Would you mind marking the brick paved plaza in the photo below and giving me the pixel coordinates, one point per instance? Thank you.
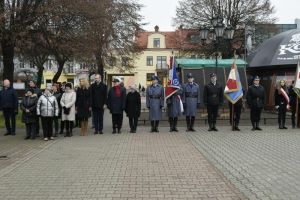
(202, 165)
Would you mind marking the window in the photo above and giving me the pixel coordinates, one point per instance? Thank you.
(22, 65)
(31, 64)
(156, 43)
(149, 75)
(125, 61)
(149, 60)
(161, 62)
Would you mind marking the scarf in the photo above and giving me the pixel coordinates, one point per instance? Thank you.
(117, 90)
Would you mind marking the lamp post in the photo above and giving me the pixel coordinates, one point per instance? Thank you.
(217, 30)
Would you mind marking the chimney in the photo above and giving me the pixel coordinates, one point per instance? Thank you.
(156, 28)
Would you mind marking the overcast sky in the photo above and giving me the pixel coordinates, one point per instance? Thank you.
(161, 12)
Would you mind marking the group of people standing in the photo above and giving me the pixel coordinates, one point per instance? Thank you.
(62, 104)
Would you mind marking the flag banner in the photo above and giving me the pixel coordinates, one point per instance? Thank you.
(173, 83)
(297, 81)
(233, 90)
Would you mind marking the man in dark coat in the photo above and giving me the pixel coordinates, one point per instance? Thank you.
(293, 103)
(213, 98)
(9, 106)
(155, 102)
(174, 109)
(256, 101)
(37, 91)
(28, 106)
(191, 101)
(98, 100)
(116, 104)
(133, 108)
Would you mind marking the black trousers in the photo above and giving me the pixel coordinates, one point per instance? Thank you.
(31, 130)
(212, 111)
(255, 114)
(69, 126)
(117, 121)
(236, 115)
(133, 122)
(98, 119)
(10, 120)
(293, 116)
(37, 127)
(47, 124)
(56, 124)
(281, 115)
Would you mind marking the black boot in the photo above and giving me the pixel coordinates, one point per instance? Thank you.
(67, 134)
(188, 123)
(253, 126)
(192, 124)
(210, 127)
(171, 123)
(283, 124)
(236, 127)
(152, 127)
(156, 126)
(175, 124)
(214, 127)
(257, 126)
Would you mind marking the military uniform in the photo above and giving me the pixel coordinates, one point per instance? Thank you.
(213, 98)
(191, 101)
(155, 102)
(281, 105)
(173, 109)
(256, 102)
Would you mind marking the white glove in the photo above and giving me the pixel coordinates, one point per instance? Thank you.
(276, 107)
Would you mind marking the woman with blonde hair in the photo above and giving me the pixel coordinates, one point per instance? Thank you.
(83, 106)
(282, 101)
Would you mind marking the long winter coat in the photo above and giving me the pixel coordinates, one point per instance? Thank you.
(173, 104)
(68, 100)
(190, 98)
(155, 102)
(83, 103)
(115, 104)
(8, 99)
(47, 106)
(133, 104)
(279, 99)
(30, 104)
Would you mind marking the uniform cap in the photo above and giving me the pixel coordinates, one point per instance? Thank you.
(212, 75)
(256, 78)
(189, 75)
(154, 78)
(116, 80)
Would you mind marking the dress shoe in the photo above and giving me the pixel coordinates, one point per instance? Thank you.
(215, 129)
(27, 137)
(236, 128)
(7, 134)
(100, 132)
(258, 128)
(210, 129)
(175, 129)
(253, 129)
(171, 130)
(114, 131)
(192, 129)
(96, 132)
(119, 131)
(284, 127)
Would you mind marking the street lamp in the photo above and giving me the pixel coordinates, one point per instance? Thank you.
(217, 31)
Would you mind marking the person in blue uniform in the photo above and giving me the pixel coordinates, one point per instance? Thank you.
(155, 103)
(191, 101)
(174, 109)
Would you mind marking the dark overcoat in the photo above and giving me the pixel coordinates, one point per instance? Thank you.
(133, 104)
(29, 103)
(213, 94)
(256, 96)
(155, 101)
(191, 98)
(98, 95)
(115, 104)
(83, 103)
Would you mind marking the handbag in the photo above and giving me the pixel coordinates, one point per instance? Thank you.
(66, 110)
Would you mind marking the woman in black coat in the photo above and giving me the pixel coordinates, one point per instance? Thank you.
(28, 107)
(133, 108)
(281, 103)
(83, 107)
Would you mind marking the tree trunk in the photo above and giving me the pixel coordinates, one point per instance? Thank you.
(61, 64)
(8, 59)
(39, 75)
(100, 66)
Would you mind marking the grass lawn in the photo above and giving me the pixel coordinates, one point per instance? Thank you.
(18, 121)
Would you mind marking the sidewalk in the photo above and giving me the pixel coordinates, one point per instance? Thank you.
(126, 166)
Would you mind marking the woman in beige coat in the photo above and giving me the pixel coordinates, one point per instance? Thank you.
(67, 103)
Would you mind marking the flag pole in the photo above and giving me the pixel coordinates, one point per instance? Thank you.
(232, 116)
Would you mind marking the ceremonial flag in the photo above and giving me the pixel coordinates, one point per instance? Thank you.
(173, 83)
(297, 81)
(233, 90)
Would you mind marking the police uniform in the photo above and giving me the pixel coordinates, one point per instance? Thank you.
(256, 102)
(191, 101)
(173, 109)
(213, 97)
(155, 102)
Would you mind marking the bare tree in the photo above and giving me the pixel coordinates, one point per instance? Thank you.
(15, 18)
